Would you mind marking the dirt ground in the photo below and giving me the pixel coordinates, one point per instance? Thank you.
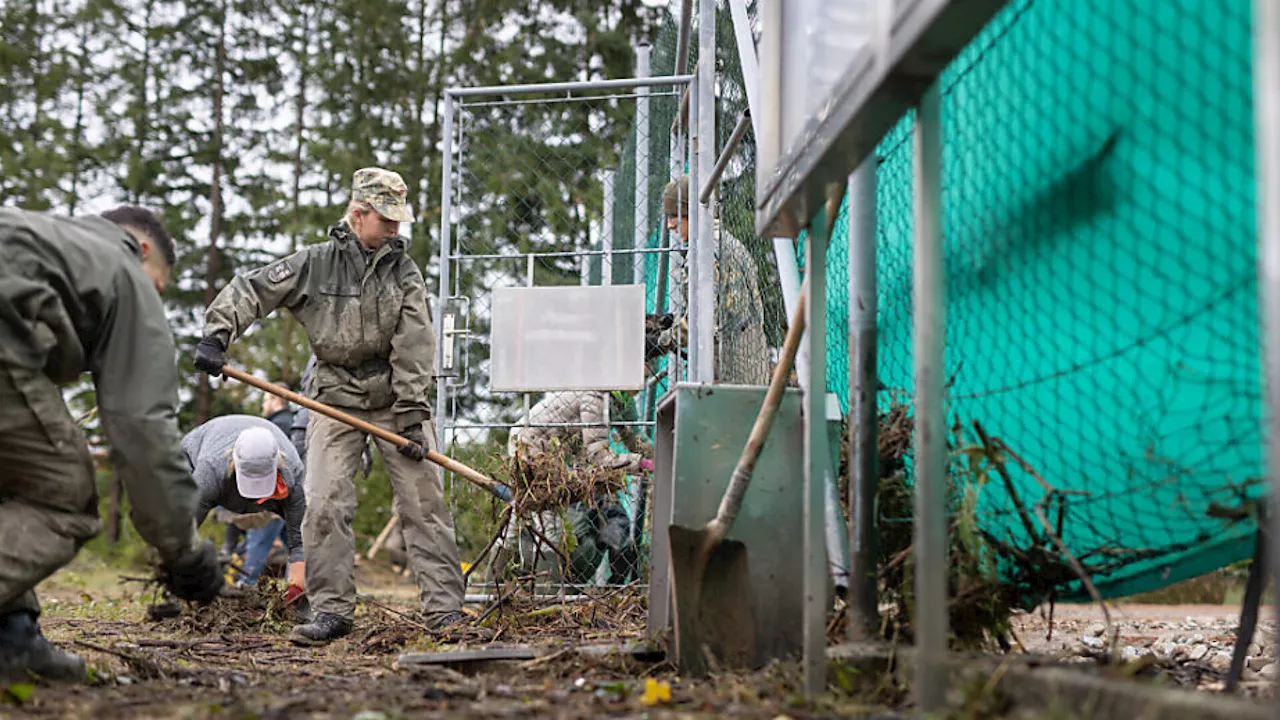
(233, 660)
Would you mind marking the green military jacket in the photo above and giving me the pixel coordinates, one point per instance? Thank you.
(365, 314)
(74, 298)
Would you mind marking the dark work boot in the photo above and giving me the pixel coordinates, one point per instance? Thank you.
(25, 654)
(324, 628)
(444, 622)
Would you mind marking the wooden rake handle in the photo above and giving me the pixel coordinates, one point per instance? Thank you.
(399, 441)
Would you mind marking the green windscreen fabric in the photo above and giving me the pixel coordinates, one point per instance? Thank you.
(1099, 235)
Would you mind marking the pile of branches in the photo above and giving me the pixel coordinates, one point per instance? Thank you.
(991, 577)
(542, 481)
(596, 613)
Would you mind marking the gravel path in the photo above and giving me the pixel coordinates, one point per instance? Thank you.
(1193, 642)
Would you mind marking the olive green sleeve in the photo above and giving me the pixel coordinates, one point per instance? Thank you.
(137, 386)
(252, 296)
(413, 351)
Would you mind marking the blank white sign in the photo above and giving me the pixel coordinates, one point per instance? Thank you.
(567, 338)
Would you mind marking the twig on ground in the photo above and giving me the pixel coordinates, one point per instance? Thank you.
(375, 603)
(530, 664)
(502, 529)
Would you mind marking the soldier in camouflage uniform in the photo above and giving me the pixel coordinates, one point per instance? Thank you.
(742, 348)
(363, 303)
(596, 528)
(82, 295)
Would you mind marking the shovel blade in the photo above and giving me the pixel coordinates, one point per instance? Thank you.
(712, 602)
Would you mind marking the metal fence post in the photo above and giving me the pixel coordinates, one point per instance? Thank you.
(642, 166)
(817, 462)
(929, 340)
(606, 231)
(671, 265)
(864, 455)
(692, 248)
(1266, 104)
(706, 285)
(446, 229)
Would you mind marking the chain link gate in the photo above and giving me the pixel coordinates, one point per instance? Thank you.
(552, 185)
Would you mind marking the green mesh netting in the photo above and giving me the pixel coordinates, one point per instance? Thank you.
(1098, 221)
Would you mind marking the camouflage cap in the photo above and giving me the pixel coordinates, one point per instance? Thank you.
(675, 197)
(384, 190)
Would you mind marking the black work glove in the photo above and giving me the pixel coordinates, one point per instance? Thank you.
(211, 355)
(417, 447)
(197, 577)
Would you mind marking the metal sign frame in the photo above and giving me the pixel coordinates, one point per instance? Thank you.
(885, 78)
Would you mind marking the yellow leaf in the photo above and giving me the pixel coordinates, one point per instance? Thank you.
(656, 692)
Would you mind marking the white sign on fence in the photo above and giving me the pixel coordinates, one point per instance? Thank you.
(567, 338)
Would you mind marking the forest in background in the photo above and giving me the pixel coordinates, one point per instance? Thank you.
(242, 121)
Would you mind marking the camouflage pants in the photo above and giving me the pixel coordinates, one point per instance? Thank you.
(586, 533)
(333, 456)
(48, 497)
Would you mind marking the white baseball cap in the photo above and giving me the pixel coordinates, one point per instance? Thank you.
(256, 456)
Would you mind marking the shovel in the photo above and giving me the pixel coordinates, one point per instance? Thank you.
(399, 441)
(709, 574)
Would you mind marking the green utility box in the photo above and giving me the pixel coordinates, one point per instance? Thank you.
(701, 431)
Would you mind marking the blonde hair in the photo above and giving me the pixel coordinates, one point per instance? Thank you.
(352, 207)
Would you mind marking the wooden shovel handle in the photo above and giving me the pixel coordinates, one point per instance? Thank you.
(399, 441)
(731, 503)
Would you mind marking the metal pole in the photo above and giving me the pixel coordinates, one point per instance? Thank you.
(692, 247)
(929, 329)
(784, 252)
(682, 41)
(569, 87)
(726, 154)
(642, 166)
(706, 286)
(606, 232)
(674, 263)
(446, 211)
(748, 60)
(864, 456)
(1266, 106)
(817, 462)
(837, 542)
(528, 396)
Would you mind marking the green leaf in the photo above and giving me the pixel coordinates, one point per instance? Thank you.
(19, 693)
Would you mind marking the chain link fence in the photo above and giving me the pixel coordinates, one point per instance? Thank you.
(1098, 225)
(544, 194)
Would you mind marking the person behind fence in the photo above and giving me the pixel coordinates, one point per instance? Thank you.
(741, 345)
(83, 295)
(363, 303)
(247, 465)
(596, 527)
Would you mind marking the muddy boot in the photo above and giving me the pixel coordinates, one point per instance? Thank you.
(26, 655)
(324, 628)
(456, 626)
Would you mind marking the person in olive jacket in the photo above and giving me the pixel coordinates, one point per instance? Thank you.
(363, 303)
(82, 295)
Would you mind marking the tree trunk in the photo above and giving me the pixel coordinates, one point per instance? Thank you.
(303, 59)
(203, 399)
(77, 165)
